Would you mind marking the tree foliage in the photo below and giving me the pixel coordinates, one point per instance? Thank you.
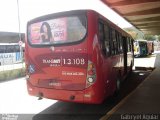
(149, 37)
(136, 34)
(158, 37)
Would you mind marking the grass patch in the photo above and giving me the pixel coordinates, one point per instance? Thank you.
(12, 74)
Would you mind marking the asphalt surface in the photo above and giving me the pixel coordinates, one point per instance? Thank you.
(142, 104)
(75, 111)
(14, 99)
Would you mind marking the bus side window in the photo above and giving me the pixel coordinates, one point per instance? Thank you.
(2, 48)
(114, 42)
(129, 44)
(121, 43)
(10, 48)
(102, 37)
(17, 48)
(118, 42)
(107, 40)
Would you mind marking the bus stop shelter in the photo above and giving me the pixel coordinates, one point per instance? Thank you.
(143, 14)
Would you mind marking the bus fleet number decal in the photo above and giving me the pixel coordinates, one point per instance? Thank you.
(65, 62)
(77, 61)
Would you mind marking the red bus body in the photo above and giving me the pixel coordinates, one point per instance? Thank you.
(150, 47)
(84, 71)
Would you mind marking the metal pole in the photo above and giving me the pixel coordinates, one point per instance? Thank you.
(19, 30)
(19, 25)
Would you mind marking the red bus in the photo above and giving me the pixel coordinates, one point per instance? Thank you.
(150, 47)
(76, 56)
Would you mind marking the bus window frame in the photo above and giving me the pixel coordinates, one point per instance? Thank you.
(54, 16)
(113, 42)
(105, 53)
(129, 42)
(108, 39)
(121, 43)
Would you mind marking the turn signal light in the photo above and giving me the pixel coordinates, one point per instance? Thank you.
(91, 74)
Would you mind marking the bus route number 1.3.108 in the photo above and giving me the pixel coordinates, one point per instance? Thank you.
(77, 61)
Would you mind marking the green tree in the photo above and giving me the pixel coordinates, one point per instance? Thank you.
(158, 37)
(149, 37)
(136, 34)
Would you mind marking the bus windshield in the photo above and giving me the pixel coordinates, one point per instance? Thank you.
(142, 44)
(61, 30)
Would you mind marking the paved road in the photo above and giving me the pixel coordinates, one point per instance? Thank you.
(15, 100)
(75, 111)
(149, 61)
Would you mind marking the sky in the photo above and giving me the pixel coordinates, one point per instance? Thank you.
(29, 9)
